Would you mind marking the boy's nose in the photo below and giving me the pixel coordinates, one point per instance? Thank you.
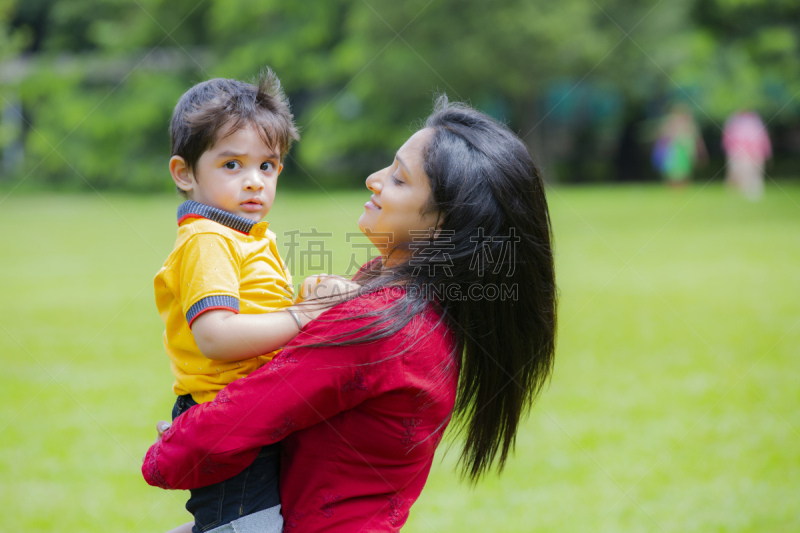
(253, 181)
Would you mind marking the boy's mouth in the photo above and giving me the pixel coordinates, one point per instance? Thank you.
(252, 205)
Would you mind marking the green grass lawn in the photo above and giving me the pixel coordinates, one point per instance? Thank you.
(674, 405)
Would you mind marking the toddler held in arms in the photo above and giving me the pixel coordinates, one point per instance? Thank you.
(224, 293)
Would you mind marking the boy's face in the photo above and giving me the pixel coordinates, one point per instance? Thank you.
(238, 174)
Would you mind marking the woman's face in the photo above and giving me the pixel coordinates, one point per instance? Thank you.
(400, 193)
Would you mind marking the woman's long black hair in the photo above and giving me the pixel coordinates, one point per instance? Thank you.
(490, 269)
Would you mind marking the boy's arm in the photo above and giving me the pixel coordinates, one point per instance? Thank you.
(223, 335)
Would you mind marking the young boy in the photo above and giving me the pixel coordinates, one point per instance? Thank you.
(223, 292)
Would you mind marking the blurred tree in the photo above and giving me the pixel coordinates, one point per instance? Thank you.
(12, 123)
(88, 87)
(96, 81)
(746, 54)
(374, 67)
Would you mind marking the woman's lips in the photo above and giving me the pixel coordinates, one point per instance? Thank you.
(372, 205)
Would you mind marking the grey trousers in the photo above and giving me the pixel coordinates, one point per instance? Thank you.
(266, 521)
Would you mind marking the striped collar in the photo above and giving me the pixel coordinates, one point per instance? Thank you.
(191, 209)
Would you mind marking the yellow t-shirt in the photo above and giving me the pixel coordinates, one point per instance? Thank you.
(220, 261)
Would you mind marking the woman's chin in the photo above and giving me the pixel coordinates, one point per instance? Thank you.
(363, 225)
(379, 240)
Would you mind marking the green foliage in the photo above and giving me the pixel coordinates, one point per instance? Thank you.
(745, 55)
(11, 41)
(96, 82)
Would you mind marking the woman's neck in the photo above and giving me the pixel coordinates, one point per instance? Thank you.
(394, 258)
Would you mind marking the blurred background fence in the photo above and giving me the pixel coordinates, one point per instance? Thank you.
(88, 86)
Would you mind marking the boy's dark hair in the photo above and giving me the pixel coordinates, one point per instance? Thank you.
(221, 105)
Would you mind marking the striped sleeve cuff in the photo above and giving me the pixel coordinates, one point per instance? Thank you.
(211, 302)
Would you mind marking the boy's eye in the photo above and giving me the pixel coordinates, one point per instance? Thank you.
(231, 165)
(267, 165)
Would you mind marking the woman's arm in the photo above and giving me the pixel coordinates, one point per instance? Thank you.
(300, 387)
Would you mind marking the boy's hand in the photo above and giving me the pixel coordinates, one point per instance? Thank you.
(308, 285)
(325, 286)
(321, 292)
(332, 287)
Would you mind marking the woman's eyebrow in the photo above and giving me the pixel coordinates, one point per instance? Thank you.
(400, 160)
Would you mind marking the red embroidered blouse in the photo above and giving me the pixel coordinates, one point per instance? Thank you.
(358, 424)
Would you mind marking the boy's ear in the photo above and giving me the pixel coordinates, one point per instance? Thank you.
(180, 173)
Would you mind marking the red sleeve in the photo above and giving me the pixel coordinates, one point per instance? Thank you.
(298, 388)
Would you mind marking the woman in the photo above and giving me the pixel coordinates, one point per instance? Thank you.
(456, 319)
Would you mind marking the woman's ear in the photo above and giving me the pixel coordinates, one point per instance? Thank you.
(180, 172)
(438, 229)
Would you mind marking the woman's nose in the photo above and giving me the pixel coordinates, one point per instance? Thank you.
(374, 182)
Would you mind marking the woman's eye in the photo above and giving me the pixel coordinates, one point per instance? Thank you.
(267, 165)
(396, 181)
(231, 165)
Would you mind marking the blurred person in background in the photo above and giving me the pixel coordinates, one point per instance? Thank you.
(747, 147)
(679, 146)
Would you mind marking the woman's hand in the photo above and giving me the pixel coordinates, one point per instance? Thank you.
(161, 427)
